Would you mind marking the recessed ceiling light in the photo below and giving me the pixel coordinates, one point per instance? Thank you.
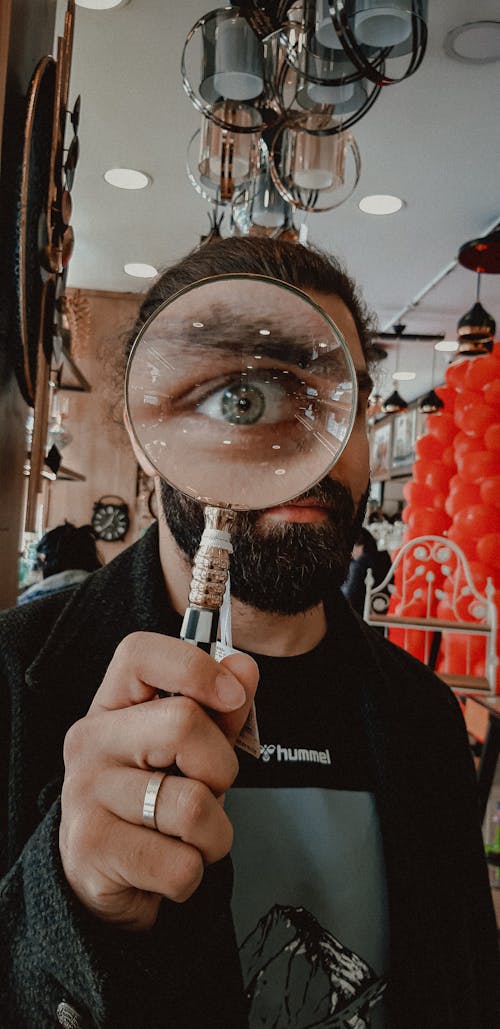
(404, 376)
(380, 203)
(474, 42)
(140, 271)
(127, 178)
(448, 345)
(101, 5)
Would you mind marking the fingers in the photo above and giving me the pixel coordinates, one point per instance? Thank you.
(154, 735)
(247, 672)
(146, 662)
(185, 809)
(108, 860)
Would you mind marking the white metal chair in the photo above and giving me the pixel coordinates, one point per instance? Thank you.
(418, 576)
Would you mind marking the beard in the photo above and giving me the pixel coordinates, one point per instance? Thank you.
(279, 567)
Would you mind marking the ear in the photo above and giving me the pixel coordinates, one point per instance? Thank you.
(141, 458)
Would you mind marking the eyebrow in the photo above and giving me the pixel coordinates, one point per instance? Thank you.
(278, 345)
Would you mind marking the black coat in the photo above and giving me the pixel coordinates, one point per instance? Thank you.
(184, 973)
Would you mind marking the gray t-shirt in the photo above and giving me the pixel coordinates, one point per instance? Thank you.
(310, 899)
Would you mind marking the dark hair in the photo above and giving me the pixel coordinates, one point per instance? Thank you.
(367, 541)
(300, 266)
(67, 547)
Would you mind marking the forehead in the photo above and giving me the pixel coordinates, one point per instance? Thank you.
(341, 315)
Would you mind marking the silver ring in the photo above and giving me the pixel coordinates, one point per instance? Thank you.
(150, 799)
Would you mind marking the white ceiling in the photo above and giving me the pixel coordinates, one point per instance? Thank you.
(433, 140)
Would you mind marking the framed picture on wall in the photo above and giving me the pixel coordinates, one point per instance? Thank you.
(380, 451)
(420, 420)
(403, 439)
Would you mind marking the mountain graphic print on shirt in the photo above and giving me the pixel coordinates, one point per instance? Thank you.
(311, 978)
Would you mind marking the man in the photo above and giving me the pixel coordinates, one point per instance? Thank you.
(360, 890)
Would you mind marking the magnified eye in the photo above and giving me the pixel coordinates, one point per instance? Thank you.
(246, 402)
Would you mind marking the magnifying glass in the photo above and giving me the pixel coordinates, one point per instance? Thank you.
(241, 392)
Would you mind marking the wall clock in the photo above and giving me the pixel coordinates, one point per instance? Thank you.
(110, 518)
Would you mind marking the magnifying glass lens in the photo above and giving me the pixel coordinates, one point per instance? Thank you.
(241, 392)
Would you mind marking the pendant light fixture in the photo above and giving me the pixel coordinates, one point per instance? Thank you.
(394, 402)
(306, 70)
(476, 328)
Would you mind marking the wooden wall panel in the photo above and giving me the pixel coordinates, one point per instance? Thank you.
(100, 448)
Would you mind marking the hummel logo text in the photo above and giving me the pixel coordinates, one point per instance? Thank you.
(272, 750)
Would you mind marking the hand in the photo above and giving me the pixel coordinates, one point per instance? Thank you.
(118, 868)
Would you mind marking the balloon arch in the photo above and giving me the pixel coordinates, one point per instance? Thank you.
(455, 491)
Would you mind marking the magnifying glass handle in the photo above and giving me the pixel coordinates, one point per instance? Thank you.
(209, 577)
(200, 627)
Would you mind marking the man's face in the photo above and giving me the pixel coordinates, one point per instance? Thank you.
(287, 559)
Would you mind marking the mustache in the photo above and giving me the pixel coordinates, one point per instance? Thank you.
(328, 491)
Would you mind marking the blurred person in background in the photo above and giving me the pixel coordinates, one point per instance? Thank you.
(365, 555)
(66, 556)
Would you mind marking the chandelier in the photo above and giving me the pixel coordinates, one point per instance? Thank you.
(279, 86)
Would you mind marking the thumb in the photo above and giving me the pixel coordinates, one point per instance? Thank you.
(247, 672)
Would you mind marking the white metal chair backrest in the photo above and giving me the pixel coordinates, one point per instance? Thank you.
(418, 574)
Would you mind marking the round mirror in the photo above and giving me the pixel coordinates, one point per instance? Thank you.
(241, 392)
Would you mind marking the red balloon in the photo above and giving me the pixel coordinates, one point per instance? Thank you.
(479, 573)
(418, 493)
(438, 476)
(410, 640)
(491, 393)
(445, 611)
(464, 495)
(461, 653)
(468, 398)
(448, 457)
(439, 501)
(477, 419)
(477, 520)
(456, 372)
(490, 491)
(456, 482)
(492, 437)
(463, 444)
(447, 395)
(481, 370)
(442, 426)
(428, 448)
(420, 471)
(464, 541)
(428, 521)
(478, 465)
(488, 549)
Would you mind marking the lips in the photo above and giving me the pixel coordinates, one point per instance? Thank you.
(303, 510)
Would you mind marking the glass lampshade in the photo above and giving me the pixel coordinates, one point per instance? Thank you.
(316, 162)
(324, 27)
(229, 158)
(382, 23)
(238, 60)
